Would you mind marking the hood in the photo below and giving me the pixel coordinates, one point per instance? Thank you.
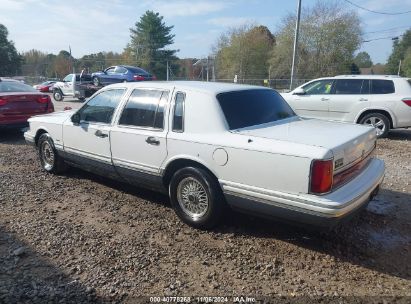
(55, 117)
(344, 140)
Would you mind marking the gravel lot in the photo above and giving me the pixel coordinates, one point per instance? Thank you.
(83, 238)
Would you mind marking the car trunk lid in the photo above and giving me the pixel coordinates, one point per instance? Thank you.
(348, 143)
(23, 104)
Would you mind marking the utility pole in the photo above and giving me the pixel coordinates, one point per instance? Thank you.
(297, 29)
(167, 71)
(207, 68)
(399, 68)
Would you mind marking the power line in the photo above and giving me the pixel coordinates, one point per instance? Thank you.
(381, 38)
(388, 30)
(376, 12)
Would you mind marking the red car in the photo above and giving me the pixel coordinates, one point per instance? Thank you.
(45, 87)
(18, 102)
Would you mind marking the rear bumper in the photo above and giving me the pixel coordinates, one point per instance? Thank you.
(327, 210)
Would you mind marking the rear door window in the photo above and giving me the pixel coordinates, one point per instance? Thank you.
(382, 86)
(145, 108)
(348, 86)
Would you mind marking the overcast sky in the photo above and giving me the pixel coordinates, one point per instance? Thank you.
(91, 26)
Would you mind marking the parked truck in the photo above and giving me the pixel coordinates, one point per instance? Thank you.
(78, 86)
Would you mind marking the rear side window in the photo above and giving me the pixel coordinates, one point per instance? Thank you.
(101, 107)
(178, 116)
(247, 108)
(382, 86)
(348, 86)
(145, 108)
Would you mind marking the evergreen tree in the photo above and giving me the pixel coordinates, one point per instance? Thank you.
(10, 60)
(149, 39)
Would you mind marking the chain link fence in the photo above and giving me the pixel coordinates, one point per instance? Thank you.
(281, 85)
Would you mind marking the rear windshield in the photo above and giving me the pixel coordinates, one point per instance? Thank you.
(253, 107)
(138, 71)
(15, 86)
(84, 77)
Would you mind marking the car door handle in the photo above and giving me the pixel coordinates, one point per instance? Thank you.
(324, 99)
(363, 99)
(100, 134)
(151, 140)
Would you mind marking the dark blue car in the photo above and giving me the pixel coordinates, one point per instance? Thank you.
(121, 73)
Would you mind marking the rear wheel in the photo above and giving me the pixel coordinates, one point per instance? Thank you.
(196, 197)
(57, 95)
(49, 159)
(379, 121)
(96, 81)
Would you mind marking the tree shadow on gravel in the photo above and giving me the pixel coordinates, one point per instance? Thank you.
(12, 136)
(26, 277)
(379, 238)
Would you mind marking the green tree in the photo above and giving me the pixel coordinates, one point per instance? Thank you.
(10, 60)
(363, 60)
(406, 66)
(244, 52)
(329, 35)
(399, 50)
(149, 39)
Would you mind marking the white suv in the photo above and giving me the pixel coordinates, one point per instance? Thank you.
(378, 100)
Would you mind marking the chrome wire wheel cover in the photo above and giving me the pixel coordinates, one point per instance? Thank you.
(377, 123)
(192, 197)
(47, 155)
(57, 95)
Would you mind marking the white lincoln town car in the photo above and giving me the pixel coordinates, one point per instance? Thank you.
(211, 145)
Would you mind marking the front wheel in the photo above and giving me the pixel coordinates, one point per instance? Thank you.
(196, 197)
(379, 121)
(49, 159)
(57, 95)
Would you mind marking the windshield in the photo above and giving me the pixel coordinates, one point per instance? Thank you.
(15, 86)
(253, 107)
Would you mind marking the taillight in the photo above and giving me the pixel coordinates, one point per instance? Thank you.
(138, 77)
(43, 99)
(321, 176)
(3, 101)
(407, 101)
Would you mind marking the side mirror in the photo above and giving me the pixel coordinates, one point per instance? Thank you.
(75, 119)
(299, 91)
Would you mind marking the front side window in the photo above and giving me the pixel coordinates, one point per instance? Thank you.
(382, 86)
(248, 108)
(101, 107)
(120, 70)
(348, 86)
(319, 87)
(145, 108)
(178, 116)
(110, 70)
